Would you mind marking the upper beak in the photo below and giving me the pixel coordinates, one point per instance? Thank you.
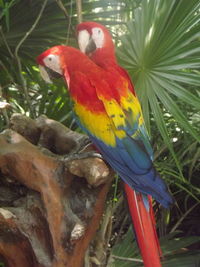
(48, 74)
(91, 47)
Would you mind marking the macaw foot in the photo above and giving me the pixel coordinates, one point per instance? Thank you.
(83, 155)
(84, 144)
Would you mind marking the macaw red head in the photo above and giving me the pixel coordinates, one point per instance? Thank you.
(50, 63)
(56, 62)
(59, 61)
(93, 37)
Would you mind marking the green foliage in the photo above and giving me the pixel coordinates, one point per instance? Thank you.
(24, 34)
(162, 54)
(126, 253)
(158, 43)
(161, 51)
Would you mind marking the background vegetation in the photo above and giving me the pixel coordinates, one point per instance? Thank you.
(158, 42)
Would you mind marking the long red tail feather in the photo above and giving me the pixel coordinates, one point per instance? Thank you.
(144, 225)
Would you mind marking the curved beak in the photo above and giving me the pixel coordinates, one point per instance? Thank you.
(91, 46)
(48, 74)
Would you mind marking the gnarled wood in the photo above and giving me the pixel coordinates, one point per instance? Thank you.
(59, 222)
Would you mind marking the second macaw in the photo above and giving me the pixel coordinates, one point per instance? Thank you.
(95, 41)
(107, 109)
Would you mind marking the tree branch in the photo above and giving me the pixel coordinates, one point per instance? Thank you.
(73, 205)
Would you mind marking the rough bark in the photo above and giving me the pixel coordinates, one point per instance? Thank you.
(51, 197)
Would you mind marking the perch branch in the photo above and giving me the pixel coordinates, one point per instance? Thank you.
(73, 208)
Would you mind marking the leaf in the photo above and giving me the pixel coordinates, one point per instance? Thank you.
(172, 247)
(160, 46)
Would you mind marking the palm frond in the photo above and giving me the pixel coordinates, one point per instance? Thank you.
(162, 53)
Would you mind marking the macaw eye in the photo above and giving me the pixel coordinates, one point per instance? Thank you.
(98, 37)
(53, 63)
(97, 31)
(51, 57)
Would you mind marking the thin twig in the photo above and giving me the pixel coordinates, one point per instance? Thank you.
(3, 109)
(18, 58)
(79, 10)
(5, 114)
(68, 17)
(121, 229)
(31, 29)
(4, 67)
(126, 259)
(87, 259)
(183, 217)
(104, 232)
(6, 9)
(6, 43)
(62, 7)
(70, 23)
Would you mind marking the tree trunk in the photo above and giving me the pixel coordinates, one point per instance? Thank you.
(52, 194)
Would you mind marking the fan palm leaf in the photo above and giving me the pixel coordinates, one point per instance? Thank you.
(162, 53)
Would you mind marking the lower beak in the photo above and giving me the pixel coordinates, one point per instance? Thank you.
(48, 74)
(91, 47)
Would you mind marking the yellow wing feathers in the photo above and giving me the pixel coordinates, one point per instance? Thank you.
(99, 124)
(131, 103)
(116, 121)
(118, 111)
(115, 113)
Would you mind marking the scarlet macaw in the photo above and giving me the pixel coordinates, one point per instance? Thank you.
(106, 108)
(95, 41)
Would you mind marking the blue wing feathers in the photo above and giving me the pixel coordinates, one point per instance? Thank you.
(145, 180)
(132, 161)
(137, 151)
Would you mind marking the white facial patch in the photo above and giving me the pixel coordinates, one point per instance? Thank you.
(53, 63)
(44, 74)
(83, 40)
(98, 37)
